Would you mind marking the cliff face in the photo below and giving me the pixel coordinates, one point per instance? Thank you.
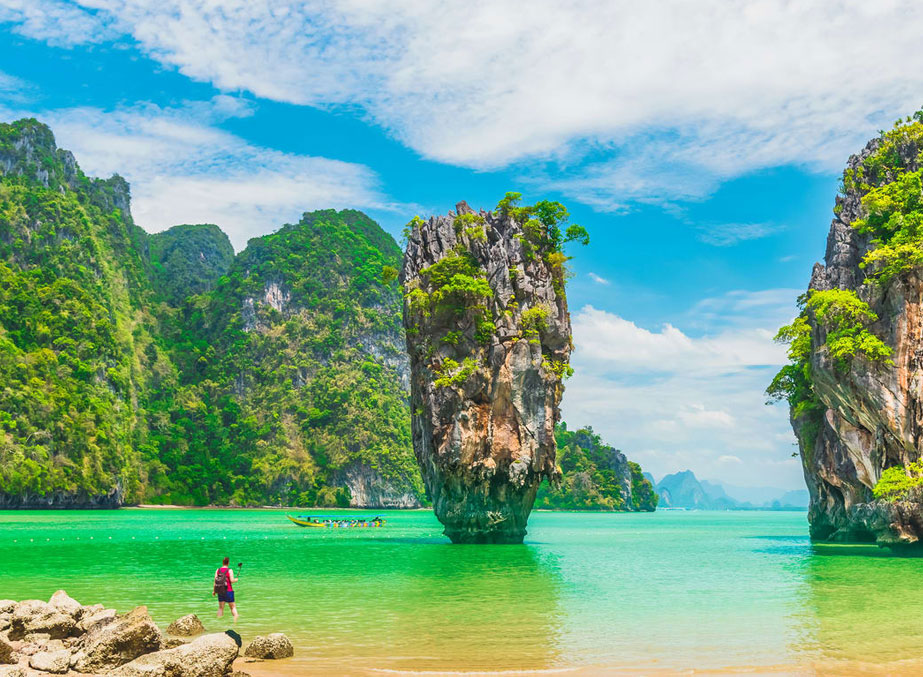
(868, 415)
(306, 338)
(489, 338)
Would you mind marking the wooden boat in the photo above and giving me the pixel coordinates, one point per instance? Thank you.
(305, 521)
(327, 523)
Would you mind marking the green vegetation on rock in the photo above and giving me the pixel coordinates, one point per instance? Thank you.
(845, 318)
(594, 476)
(897, 482)
(153, 368)
(188, 260)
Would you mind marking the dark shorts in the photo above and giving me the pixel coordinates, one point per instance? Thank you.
(226, 596)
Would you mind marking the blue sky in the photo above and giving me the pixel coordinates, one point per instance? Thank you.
(701, 147)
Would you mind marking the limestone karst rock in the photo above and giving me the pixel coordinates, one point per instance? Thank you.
(489, 338)
(857, 417)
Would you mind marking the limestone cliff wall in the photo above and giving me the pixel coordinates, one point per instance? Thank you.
(872, 414)
(486, 369)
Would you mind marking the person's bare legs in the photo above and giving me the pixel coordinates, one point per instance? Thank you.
(221, 609)
(233, 611)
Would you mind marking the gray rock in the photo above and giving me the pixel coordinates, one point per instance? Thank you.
(95, 619)
(8, 655)
(271, 646)
(35, 616)
(187, 626)
(172, 642)
(118, 642)
(66, 604)
(206, 656)
(486, 370)
(57, 662)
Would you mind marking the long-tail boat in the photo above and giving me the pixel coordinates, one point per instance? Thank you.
(315, 522)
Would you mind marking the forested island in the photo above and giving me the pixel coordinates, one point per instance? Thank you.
(166, 369)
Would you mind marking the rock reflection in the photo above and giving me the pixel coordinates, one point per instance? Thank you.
(863, 611)
(473, 608)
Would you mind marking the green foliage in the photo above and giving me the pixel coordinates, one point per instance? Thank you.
(594, 477)
(892, 201)
(845, 317)
(534, 321)
(543, 223)
(897, 482)
(255, 383)
(452, 373)
(188, 260)
(412, 225)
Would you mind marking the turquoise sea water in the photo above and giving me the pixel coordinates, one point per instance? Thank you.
(661, 593)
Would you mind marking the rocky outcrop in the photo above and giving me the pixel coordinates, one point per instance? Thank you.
(118, 642)
(100, 642)
(187, 626)
(207, 656)
(870, 415)
(489, 338)
(270, 647)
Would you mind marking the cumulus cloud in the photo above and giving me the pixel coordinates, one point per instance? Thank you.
(628, 101)
(673, 399)
(185, 169)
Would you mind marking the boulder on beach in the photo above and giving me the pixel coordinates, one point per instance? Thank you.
(271, 646)
(57, 662)
(206, 656)
(93, 618)
(35, 616)
(7, 606)
(14, 671)
(66, 605)
(187, 626)
(118, 642)
(8, 655)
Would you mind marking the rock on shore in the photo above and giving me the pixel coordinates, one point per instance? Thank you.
(62, 636)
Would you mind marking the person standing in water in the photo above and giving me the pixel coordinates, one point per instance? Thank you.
(224, 588)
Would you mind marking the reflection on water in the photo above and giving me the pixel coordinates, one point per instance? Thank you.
(660, 594)
(864, 608)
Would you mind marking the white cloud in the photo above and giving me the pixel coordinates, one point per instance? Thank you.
(728, 458)
(728, 234)
(58, 23)
(598, 279)
(184, 169)
(668, 98)
(673, 399)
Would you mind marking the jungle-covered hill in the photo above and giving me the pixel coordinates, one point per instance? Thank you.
(164, 369)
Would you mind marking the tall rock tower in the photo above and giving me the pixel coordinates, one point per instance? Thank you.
(489, 338)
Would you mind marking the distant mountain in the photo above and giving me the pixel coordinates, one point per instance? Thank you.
(799, 498)
(683, 490)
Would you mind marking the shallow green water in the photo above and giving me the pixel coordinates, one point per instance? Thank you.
(650, 593)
